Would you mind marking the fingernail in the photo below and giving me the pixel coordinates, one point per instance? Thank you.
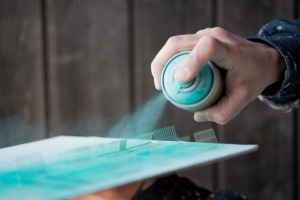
(200, 117)
(181, 74)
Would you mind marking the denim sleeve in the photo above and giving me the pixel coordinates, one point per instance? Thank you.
(284, 36)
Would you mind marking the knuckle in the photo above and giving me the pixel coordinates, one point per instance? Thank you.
(200, 31)
(174, 40)
(220, 117)
(210, 41)
(218, 31)
(154, 69)
(203, 30)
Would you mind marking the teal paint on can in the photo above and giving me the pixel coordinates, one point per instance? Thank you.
(200, 93)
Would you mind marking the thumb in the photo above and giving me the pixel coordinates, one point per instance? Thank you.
(225, 109)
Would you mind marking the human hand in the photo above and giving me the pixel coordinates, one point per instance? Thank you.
(250, 67)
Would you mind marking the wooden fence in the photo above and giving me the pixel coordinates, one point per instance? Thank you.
(76, 66)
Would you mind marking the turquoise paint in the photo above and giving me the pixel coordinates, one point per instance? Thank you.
(197, 94)
(184, 93)
(86, 168)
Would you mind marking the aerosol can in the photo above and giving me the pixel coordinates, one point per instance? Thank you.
(200, 93)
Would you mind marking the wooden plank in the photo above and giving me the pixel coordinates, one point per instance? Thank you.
(197, 15)
(21, 83)
(88, 73)
(259, 175)
(154, 22)
(266, 174)
(246, 17)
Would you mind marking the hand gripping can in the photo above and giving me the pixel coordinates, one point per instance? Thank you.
(200, 93)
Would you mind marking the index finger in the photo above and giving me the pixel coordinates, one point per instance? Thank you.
(173, 46)
(207, 48)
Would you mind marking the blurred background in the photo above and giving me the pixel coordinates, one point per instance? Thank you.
(75, 67)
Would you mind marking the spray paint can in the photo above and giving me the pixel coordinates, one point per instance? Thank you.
(200, 93)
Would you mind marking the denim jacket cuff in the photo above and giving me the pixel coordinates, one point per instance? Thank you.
(284, 36)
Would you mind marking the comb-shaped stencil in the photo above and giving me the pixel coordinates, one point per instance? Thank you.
(207, 136)
(139, 140)
(166, 134)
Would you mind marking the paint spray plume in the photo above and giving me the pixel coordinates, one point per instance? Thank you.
(141, 121)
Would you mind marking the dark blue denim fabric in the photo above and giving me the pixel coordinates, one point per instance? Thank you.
(285, 37)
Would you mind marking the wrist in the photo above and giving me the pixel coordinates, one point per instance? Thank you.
(274, 62)
(276, 69)
(278, 66)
